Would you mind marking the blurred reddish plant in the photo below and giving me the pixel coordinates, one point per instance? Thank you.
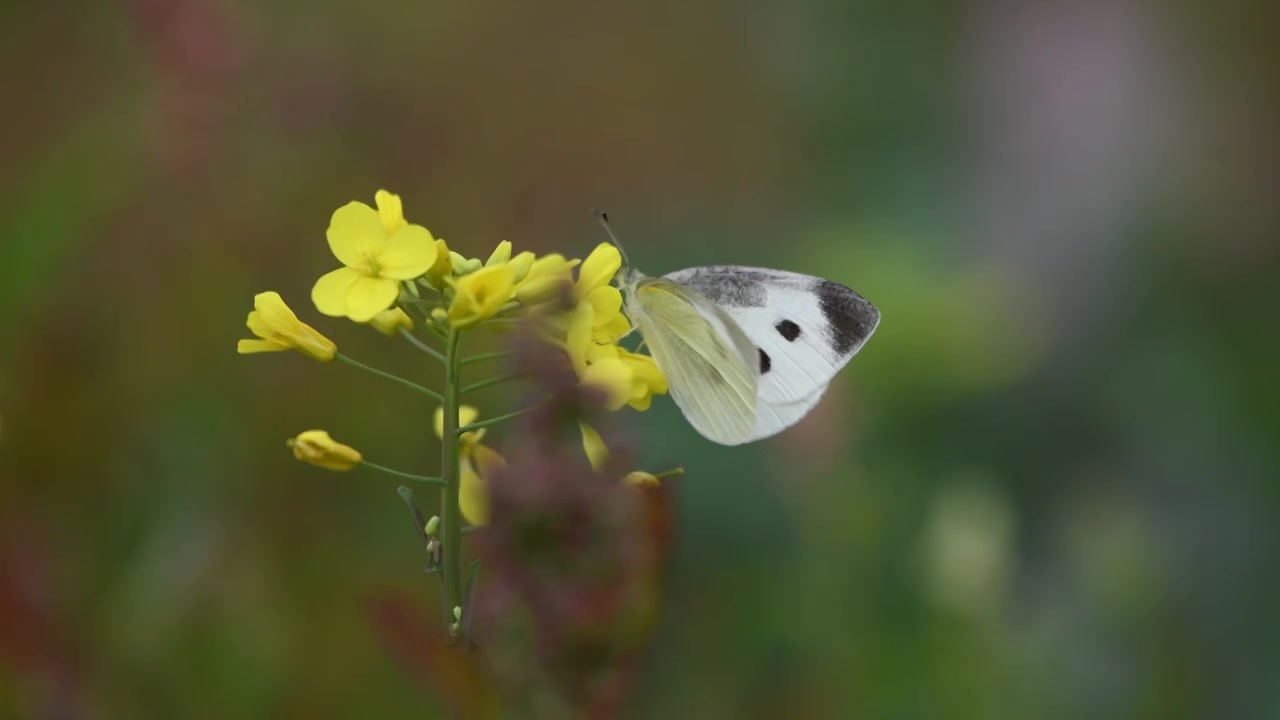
(572, 564)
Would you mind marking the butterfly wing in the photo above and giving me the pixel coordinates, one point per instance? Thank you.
(804, 330)
(704, 355)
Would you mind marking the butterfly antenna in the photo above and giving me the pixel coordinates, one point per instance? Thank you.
(603, 218)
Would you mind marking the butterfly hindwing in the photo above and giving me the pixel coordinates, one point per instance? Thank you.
(804, 329)
(703, 354)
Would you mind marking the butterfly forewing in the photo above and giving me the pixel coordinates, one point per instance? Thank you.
(704, 356)
(804, 329)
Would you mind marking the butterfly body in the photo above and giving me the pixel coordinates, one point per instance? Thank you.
(747, 352)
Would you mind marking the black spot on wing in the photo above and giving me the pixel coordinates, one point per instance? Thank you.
(850, 318)
(788, 330)
(733, 289)
(765, 362)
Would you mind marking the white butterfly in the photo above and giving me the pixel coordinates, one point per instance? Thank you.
(747, 352)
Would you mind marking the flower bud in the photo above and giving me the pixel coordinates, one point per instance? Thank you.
(463, 266)
(500, 255)
(432, 525)
(317, 448)
(389, 322)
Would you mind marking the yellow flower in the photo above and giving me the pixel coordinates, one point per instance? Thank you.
(317, 448)
(476, 462)
(473, 490)
(389, 322)
(480, 295)
(378, 250)
(544, 279)
(646, 379)
(614, 377)
(466, 416)
(627, 378)
(279, 329)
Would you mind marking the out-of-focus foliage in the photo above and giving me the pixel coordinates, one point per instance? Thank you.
(1046, 488)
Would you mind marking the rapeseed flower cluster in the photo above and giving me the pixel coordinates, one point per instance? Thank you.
(403, 281)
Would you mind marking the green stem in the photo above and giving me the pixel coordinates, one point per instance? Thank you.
(485, 356)
(388, 376)
(405, 475)
(450, 512)
(673, 472)
(491, 381)
(492, 421)
(421, 345)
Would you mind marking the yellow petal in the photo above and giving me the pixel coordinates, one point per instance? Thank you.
(607, 302)
(614, 377)
(599, 267)
(473, 494)
(246, 347)
(466, 416)
(612, 331)
(646, 370)
(355, 234)
(257, 325)
(545, 280)
(593, 444)
(370, 296)
(600, 351)
(541, 289)
(273, 311)
(578, 335)
(409, 253)
(330, 292)
(390, 211)
(640, 401)
(647, 379)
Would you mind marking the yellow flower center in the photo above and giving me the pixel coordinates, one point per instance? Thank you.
(372, 267)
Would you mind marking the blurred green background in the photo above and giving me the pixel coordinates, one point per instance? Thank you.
(1047, 487)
